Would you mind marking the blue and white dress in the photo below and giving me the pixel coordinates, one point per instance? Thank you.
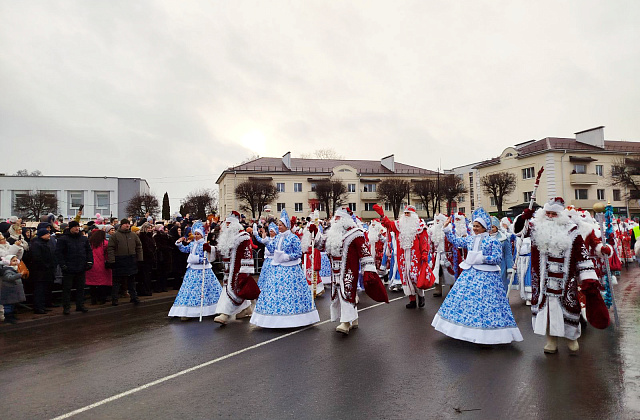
(325, 268)
(285, 300)
(477, 309)
(189, 299)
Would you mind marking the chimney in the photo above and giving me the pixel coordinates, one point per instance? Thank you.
(592, 136)
(388, 163)
(286, 160)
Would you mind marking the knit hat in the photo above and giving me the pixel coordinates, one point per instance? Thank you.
(73, 224)
(44, 225)
(13, 219)
(41, 232)
(125, 222)
(107, 228)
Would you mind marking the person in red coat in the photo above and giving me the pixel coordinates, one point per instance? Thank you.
(413, 251)
(348, 251)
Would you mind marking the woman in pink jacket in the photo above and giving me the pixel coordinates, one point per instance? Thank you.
(98, 278)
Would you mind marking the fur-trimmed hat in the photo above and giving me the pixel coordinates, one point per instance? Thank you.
(556, 204)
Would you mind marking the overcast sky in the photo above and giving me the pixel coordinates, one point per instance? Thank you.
(176, 91)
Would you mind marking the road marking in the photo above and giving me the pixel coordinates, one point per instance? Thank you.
(200, 366)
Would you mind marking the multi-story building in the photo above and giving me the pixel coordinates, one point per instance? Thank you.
(467, 202)
(296, 179)
(108, 196)
(578, 170)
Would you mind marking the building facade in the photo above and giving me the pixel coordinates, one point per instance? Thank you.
(108, 196)
(578, 170)
(296, 179)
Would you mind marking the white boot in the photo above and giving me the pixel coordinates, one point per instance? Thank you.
(573, 345)
(354, 324)
(343, 328)
(221, 319)
(528, 302)
(245, 313)
(552, 345)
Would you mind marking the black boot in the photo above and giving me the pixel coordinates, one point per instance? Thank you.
(420, 301)
(11, 318)
(411, 305)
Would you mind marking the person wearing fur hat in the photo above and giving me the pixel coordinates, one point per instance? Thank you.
(312, 262)
(124, 251)
(346, 246)
(559, 264)
(413, 252)
(445, 258)
(75, 257)
(477, 309)
(234, 244)
(285, 300)
(200, 289)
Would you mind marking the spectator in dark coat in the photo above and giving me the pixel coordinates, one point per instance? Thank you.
(164, 246)
(123, 253)
(148, 263)
(42, 269)
(75, 257)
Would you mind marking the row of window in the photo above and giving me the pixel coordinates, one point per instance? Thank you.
(578, 168)
(299, 207)
(297, 187)
(580, 194)
(74, 200)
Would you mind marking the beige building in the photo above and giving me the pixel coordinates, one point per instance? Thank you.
(469, 201)
(296, 178)
(578, 170)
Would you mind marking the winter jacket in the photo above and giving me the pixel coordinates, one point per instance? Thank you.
(43, 261)
(149, 251)
(11, 289)
(123, 252)
(73, 252)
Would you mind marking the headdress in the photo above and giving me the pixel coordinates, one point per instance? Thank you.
(284, 218)
(481, 216)
(197, 227)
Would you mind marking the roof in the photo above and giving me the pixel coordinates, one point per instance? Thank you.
(320, 166)
(561, 144)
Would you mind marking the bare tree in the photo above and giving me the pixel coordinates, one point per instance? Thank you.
(141, 204)
(249, 159)
(625, 172)
(200, 203)
(451, 187)
(24, 172)
(322, 154)
(332, 193)
(254, 195)
(427, 192)
(34, 204)
(499, 185)
(394, 191)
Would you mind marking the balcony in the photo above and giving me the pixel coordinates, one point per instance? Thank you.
(368, 195)
(583, 179)
(368, 215)
(583, 204)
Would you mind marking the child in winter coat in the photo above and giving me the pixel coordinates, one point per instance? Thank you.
(12, 291)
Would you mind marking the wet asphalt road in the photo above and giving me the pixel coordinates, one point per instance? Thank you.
(396, 366)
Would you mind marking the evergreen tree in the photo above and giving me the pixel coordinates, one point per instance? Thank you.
(166, 211)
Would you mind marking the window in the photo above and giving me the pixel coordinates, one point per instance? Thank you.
(461, 209)
(298, 207)
(580, 168)
(461, 199)
(582, 194)
(102, 202)
(492, 201)
(600, 170)
(527, 196)
(297, 187)
(369, 206)
(351, 188)
(387, 207)
(600, 193)
(344, 170)
(320, 206)
(528, 173)
(313, 186)
(76, 199)
(280, 206)
(16, 196)
(616, 195)
(352, 206)
(280, 187)
(419, 206)
(369, 188)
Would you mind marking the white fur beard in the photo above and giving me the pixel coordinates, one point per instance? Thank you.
(551, 235)
(461, 227)
(305, 242)
(437, 234)
(408, 227)
(335, 234)
(227, 237)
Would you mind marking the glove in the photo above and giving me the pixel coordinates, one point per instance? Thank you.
(378, 209)
(606, 250)
(313, 229)
(206, 247)
(527, 214)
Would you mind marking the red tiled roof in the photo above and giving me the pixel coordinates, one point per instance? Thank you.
(268, 164)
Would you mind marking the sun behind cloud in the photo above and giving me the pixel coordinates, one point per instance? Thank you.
(255, 141)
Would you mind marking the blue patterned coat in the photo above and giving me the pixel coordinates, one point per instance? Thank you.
(490, 246)
(290, 245)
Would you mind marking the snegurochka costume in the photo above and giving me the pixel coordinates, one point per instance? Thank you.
(285, 299)
(200, 288)
(476, 309)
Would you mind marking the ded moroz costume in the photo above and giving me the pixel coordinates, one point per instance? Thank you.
(234, 245)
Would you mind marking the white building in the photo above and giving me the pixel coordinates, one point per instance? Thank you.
(108, 196)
